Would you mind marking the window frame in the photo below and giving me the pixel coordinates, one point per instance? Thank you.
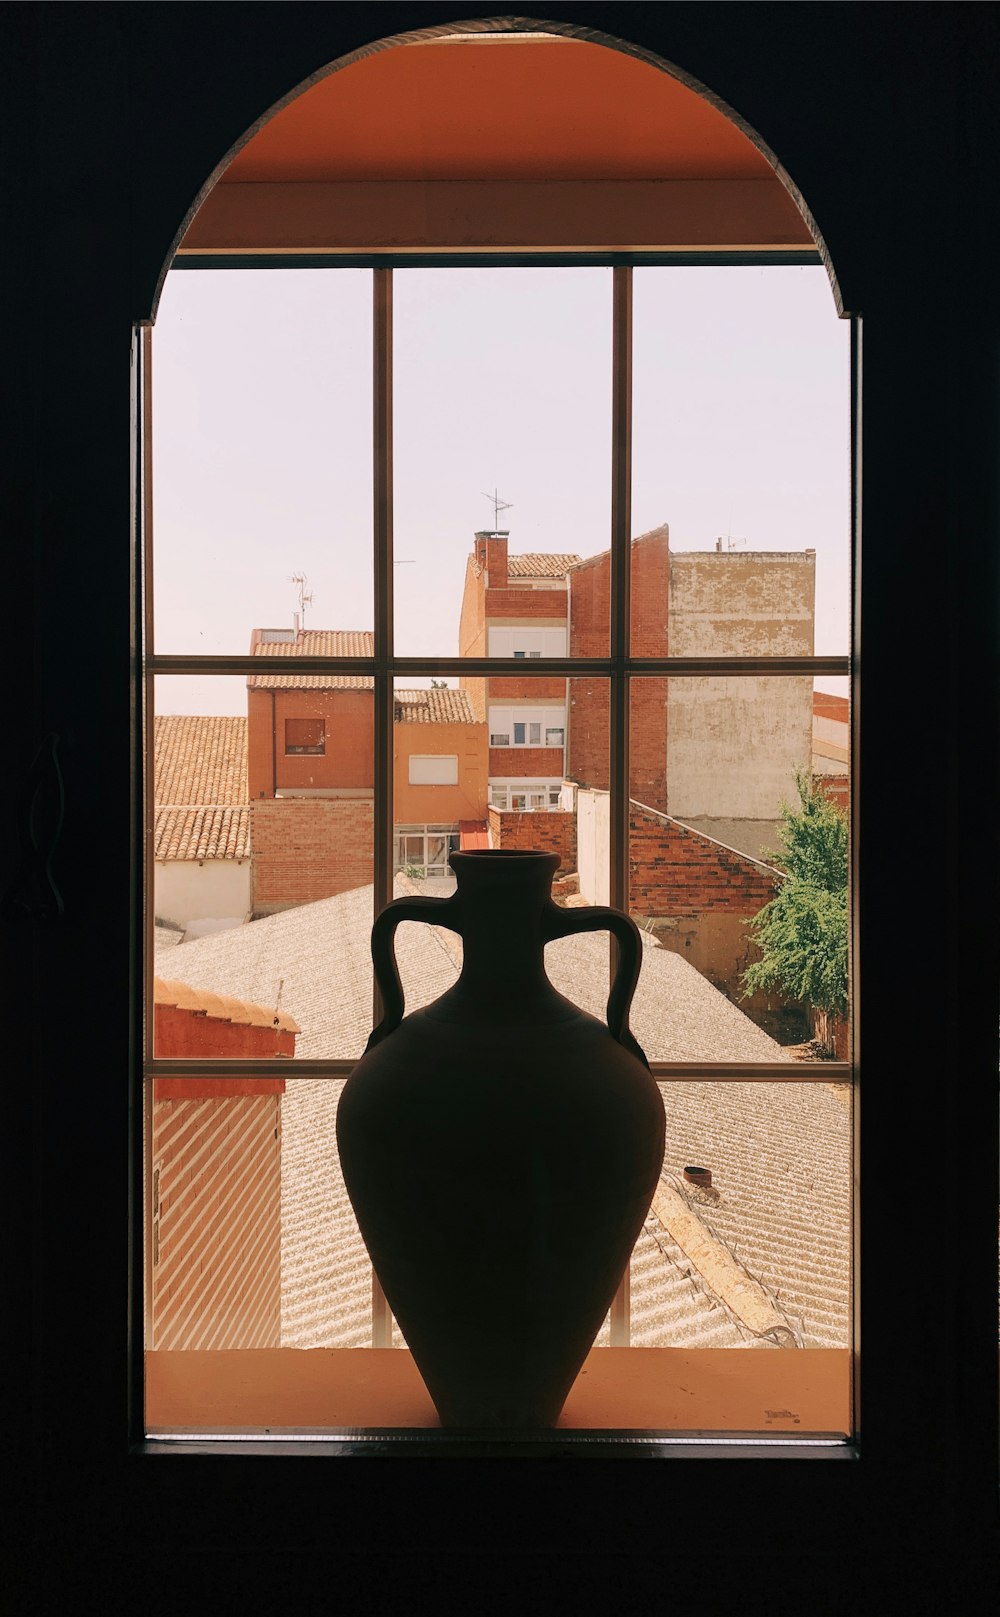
(386, 669)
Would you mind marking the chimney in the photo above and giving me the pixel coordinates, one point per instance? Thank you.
(491, 553)
(295, 622)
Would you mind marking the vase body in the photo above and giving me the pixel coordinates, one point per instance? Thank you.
(500, 1148)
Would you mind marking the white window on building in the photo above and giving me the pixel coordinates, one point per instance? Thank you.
(527, 726)
(532, 796)
(423, 850)
(525, 642)
(439, 769)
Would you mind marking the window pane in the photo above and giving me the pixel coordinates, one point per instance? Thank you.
(501, 384)
(262, 880)
(741, 449)
(738, 869)
(262, 455)
(748, 1241)
(255, 1246)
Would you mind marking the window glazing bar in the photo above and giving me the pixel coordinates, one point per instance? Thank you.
(383, 576)
(701, 1072)
(492, 667)
(618, 695)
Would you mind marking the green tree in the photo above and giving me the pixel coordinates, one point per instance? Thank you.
(802, 932)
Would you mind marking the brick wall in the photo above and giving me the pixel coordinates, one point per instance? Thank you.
(837, 788)
(590, 607)
(306, 848)
(526, 763)
(589, 732)
(514, 605)
(553, 832)
(677, 872)
(348, 759)
(515, 689)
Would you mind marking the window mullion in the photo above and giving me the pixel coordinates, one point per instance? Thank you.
(383, 680)
(621, 561)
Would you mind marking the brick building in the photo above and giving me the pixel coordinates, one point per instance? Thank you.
(517, 606)
(310, 771)
(831, 746)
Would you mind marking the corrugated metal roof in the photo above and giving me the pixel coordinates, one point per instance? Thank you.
(434, 706)
(538, 564)
(201, 808)
(315, 643)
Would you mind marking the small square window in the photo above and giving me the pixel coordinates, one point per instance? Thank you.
(554, 738)
(305, 735)
(502, 740)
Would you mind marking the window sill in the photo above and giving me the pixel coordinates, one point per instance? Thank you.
(750, 1397)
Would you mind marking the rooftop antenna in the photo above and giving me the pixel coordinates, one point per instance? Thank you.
(305, 597)
(498, 505)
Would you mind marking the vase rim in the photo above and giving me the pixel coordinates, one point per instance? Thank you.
(507, 856)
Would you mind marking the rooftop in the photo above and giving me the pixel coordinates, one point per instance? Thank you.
(540, 564)
(200, 773)
(311, 643)
(761, 1258)
(434, 706)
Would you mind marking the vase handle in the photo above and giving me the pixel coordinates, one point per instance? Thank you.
(384, 956)
(560, 923)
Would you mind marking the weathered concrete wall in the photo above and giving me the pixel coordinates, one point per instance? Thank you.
(733, 745)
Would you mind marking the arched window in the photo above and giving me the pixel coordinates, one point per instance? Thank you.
(555, 276)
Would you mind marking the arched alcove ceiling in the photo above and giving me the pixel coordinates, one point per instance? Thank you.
(497, 142)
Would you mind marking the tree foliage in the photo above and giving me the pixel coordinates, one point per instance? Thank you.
(802, 932)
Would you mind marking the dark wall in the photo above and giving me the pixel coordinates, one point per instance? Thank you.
(114, 116)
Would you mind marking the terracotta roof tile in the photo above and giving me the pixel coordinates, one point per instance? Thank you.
(537, 564)
(315, 643)
(435, 706)
(200, 773)
(202, 833)
(224, 1007)
(200, 760)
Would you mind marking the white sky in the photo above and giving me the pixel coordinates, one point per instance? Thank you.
(262, 438)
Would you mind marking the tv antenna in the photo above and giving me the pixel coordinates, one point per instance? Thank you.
(305, 596)
(498, 505)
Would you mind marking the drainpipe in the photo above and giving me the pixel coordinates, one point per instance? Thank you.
(274, 749)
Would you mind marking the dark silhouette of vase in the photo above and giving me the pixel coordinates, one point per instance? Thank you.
(501, 1148)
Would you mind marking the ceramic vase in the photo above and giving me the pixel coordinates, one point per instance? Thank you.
(501, 1147)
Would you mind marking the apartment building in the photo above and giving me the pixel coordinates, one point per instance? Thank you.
(518, 606)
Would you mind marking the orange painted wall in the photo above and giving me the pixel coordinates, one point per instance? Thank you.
(215, 1186)
(216, 1239)
(440, 805)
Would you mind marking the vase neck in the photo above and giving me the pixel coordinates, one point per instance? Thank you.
(498, 911)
